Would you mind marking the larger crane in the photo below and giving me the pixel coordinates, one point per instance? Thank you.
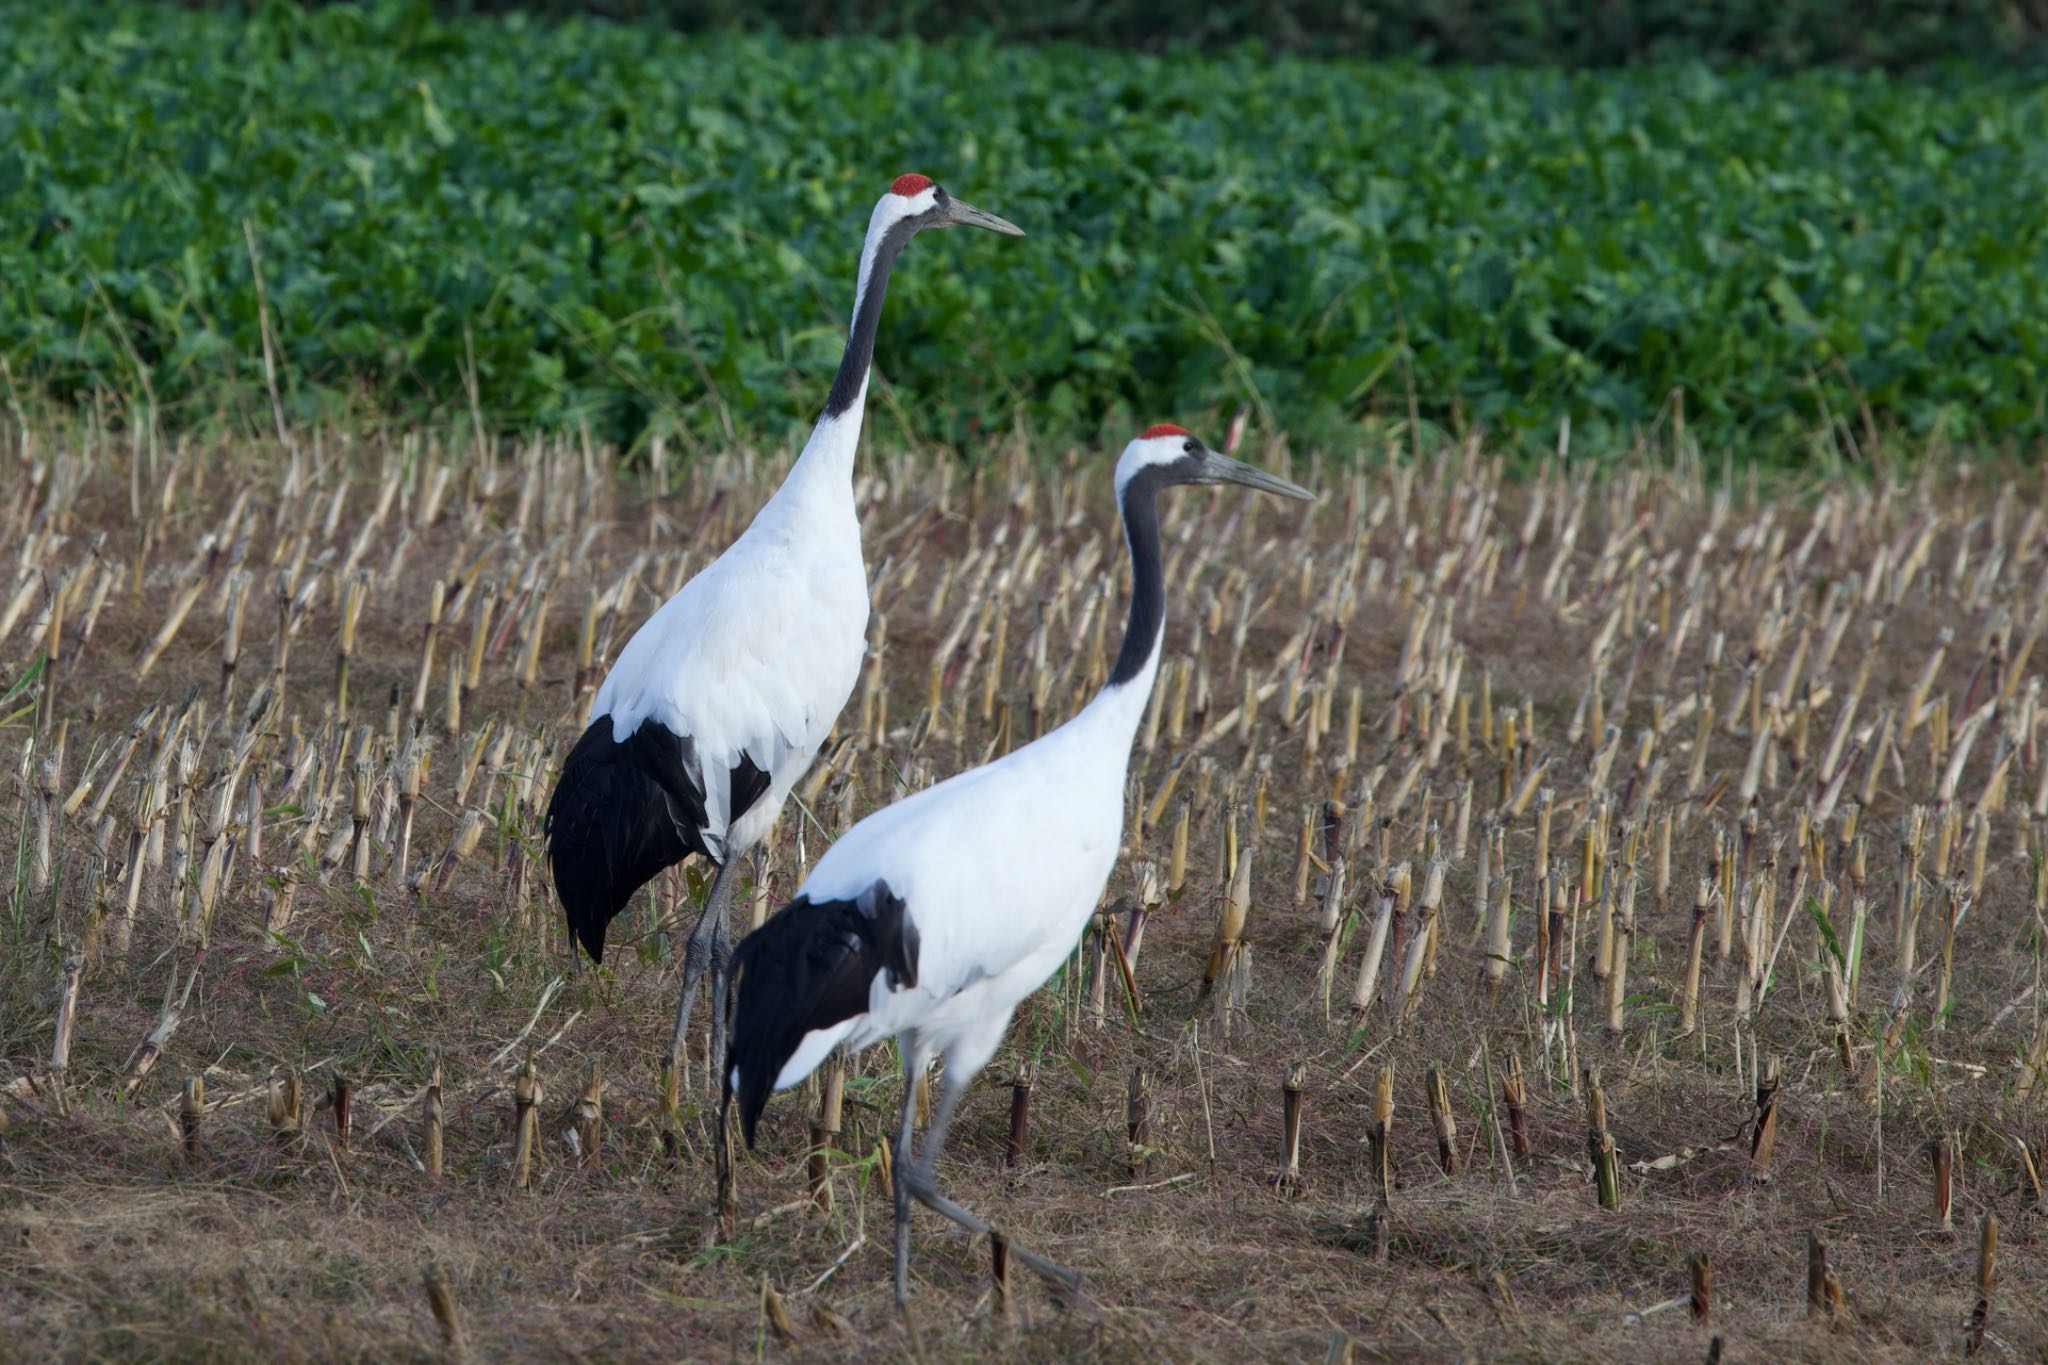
(934, 918)
(720, 701)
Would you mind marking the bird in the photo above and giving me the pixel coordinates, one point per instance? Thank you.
(932, 919)
(720, 701)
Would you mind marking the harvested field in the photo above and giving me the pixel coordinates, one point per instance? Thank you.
(1635, 873)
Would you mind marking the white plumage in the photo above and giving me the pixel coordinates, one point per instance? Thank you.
(757, 654)
(1019, 850)
(933, 919)
(722, 698)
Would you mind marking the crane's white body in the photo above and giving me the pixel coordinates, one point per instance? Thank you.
(933, 919)
(1000, 867)
(757, 654)
(719, 703)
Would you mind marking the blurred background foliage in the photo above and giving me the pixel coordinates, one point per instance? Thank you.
(638, 227)
(1787, 33)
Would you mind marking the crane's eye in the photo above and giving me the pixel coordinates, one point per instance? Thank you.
(1188, 446)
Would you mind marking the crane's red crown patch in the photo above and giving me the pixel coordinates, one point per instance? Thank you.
(1162, 429)
(907, 185)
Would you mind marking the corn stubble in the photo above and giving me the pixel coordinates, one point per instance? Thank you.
(1736, 799)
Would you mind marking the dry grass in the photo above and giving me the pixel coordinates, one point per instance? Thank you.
(1409, 584)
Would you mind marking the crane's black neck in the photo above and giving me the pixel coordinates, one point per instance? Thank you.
(867, 317)
(1140, 506)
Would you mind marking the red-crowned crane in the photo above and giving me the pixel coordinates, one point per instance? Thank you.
(934, 918)
(720, 701)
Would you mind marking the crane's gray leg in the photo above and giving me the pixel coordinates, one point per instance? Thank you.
(914, 1059)
(721, 967)
(921, 1179)
(721, 982)
(698, 954)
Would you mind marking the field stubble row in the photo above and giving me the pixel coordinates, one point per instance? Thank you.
(1463, 801)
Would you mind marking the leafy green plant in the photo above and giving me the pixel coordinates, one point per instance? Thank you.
(1798, 32)
(632, 229)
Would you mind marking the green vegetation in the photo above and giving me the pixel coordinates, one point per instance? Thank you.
(1790, 33)
(629, 227)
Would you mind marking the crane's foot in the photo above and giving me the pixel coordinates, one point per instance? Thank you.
(921, 1185)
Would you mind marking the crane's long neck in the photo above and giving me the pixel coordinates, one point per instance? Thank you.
(877, 258)
(1137, 662)
(827, 460)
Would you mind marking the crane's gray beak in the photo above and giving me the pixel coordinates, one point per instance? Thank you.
(1213, 468)
(959, 213)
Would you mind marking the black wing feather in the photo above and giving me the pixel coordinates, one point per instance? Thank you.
(812, 965)
(747, 784)
(622, 811)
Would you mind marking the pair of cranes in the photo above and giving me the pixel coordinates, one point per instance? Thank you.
(934, 918)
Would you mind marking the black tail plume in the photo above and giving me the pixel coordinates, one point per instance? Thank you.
(621, 811)
(812, 965)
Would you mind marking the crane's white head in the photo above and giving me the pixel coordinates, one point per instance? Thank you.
(1166, 454)
(913, 204)
(916, 202)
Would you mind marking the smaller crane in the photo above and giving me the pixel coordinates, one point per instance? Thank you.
(934, 918)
